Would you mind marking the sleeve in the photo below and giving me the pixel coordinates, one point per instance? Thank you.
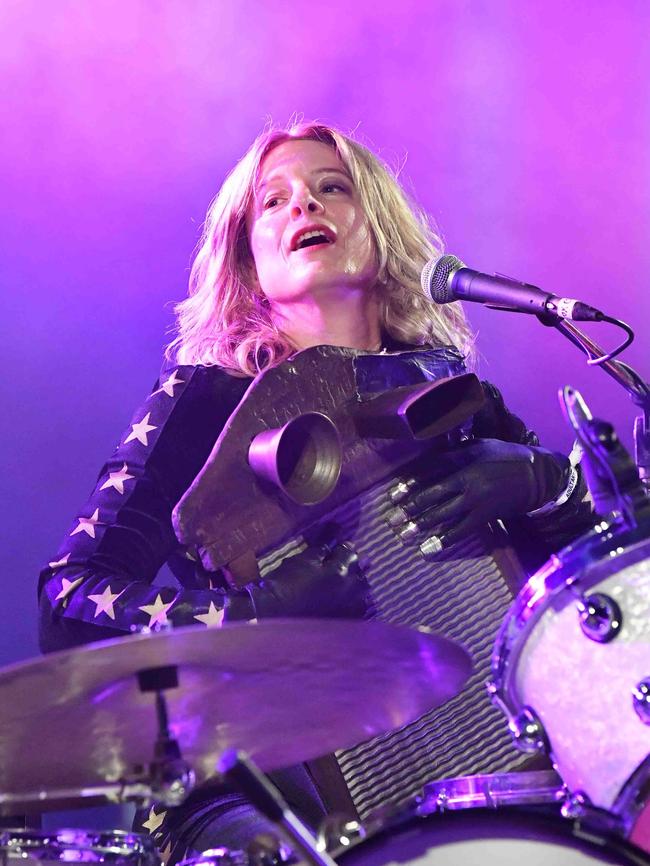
(556, 528)
(100, 583)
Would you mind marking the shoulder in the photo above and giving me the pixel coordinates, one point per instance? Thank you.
(196, 384)
(179, 421)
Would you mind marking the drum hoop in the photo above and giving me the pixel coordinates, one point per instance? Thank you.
(634, 796)
(492, 790)
(597, 839)
(122, 842)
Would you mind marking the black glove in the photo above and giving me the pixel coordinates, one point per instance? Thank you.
(317, 582)
(483, 480)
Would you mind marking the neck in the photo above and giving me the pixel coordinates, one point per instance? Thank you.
(351, 321)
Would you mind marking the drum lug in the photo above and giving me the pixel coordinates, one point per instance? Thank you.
(576, 805)
(528, 732)
(600, 617)
(337, 832)
(591, 822)
(641, 700)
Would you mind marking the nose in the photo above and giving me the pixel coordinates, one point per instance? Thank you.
(303, 201)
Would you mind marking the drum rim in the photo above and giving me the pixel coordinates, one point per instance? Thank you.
(629, 804)
(120, 842)
(491, 787)
(543, 820)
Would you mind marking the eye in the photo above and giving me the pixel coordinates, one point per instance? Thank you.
(333, 186)
(271, 202)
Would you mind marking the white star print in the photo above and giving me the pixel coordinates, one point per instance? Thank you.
(87, 524)
(60, 562)
(105, 602)
(117, 479)
(139, 431)
(169, 385)
(157, 611)
(213, 618)
(154, 821)
(67, 586)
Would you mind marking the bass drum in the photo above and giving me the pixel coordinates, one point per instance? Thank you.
(513, 836)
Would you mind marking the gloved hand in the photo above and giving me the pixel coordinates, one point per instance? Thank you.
(317, 582)
(480, 481)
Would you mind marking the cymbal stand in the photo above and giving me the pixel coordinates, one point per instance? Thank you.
(171, 777)
(627, 378)
(242, 773)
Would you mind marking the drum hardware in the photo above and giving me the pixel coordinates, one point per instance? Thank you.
(218, 857)
(171, 777)
(588, 711)
(238, 769)
(491, 791)
(595, 745)
(527, 732)
(641, 700)
(590, 821)
(337, 833)
(633, 805)
(600, 617)
(508, 835)
(112, 848)
(617, 486)
(320, 687)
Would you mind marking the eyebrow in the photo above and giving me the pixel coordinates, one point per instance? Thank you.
(277, 174)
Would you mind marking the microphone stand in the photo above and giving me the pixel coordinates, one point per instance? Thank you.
(628, 378)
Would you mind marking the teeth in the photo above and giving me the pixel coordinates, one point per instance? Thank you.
(306, 235)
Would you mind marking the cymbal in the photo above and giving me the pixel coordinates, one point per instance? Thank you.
(285, 691)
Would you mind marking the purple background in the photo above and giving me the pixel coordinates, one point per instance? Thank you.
(523, 128)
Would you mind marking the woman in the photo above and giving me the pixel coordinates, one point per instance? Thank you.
(310, 241)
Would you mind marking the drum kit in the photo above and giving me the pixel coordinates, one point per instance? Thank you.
(145, 718)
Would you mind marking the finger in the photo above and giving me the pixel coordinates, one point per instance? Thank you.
(451, 511)
(459, 532)
(435, 495)
(413, 532)
(443, 536)
(404, 488)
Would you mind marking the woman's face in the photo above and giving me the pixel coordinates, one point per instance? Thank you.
(307, 231)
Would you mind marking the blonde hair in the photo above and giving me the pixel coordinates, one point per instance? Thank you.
(225, 321)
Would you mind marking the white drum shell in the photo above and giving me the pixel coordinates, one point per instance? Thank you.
(581, 690)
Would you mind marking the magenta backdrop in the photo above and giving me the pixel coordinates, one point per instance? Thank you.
(524, 126)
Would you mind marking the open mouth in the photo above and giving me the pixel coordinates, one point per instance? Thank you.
(312, 238)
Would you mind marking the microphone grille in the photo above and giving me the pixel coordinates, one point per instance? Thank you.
(435, 278)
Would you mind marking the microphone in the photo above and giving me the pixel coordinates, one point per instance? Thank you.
(446, 279)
